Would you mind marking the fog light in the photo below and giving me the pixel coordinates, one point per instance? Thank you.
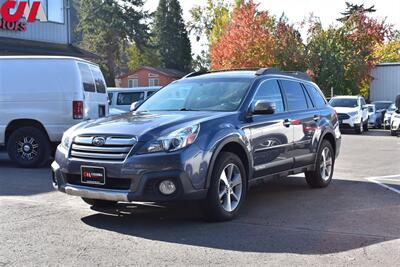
(167, 187)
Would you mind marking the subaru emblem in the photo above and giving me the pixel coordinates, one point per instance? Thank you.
(99, 141)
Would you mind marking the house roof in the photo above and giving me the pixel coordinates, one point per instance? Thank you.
(11, 46)
(164, 71)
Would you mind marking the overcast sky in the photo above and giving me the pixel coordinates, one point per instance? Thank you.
(297, 10)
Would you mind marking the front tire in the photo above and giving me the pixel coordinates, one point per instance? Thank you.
(228, 188)
(322, 175)
(29, 147)
(359, 128)
(99, 203)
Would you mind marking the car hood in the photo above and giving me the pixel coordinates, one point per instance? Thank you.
(345, 110)
(145, 125)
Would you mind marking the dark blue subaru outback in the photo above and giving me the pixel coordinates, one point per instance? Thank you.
(208, 137)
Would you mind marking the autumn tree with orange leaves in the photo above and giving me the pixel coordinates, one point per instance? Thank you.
(247, 40)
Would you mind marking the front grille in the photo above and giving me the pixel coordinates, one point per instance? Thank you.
(111, 183)
(113, 148)
(343, 116)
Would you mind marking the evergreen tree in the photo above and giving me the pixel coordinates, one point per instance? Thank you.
(171, 36)
(108, 26)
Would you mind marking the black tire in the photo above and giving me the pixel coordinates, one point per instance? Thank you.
(38, 145)
(100, 203)
(393, 133)
(366, 129)
(314, 178)
(212, 205)
(359, 129)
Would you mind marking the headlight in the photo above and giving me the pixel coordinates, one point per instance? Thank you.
(172, 142)
(353, 114)
(66, 141)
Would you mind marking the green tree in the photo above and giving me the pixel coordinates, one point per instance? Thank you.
(146, 57)
(171, 36)
(108, 26)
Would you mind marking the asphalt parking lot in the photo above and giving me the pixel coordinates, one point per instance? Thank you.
(356, 221)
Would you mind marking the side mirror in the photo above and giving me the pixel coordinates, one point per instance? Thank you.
(135, 105)
(263, 107)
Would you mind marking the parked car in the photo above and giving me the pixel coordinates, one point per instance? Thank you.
(352, 112)
(388, 115)
(208, 136)
(395, 120)
(121, 99)
(374, 117)
(43, 96)
(382, 106)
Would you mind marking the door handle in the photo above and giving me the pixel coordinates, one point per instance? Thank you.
(287, 122)
(317, 118)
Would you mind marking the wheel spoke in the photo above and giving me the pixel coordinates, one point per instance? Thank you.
(236, 181)
(228, 202)
(235, 196)
(229, 173)
(222, 194)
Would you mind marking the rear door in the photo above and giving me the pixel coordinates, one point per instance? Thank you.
(271, 136)
(304, 118)
(94, 88)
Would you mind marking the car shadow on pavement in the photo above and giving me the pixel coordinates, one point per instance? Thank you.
(282, 216)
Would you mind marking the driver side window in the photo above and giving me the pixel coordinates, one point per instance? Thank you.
(270, 91)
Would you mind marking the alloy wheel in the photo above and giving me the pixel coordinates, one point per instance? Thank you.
(230, 187)
(27, 148)
(326, 164)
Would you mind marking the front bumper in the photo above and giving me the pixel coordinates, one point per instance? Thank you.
(137, 179)
(395, 124)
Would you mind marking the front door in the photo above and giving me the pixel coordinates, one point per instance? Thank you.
(271, 135)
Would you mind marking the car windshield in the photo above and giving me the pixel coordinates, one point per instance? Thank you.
(199, 95)
(344, 102)
(382, 105)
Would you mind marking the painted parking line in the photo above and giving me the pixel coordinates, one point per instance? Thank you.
(380, 180)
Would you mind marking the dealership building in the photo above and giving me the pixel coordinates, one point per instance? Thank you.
(386, 82)
(49, 36)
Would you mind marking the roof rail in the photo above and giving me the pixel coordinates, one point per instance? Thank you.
(262, 71)
(295, 74)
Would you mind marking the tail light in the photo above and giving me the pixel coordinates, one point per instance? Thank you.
(335, 114)
(77, 110)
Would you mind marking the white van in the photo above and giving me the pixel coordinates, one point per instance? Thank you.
(40, 98)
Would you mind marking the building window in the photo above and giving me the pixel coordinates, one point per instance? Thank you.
(55, 11)
(154, 82)
(133, 83)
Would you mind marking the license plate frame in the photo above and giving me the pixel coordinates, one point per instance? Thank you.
(93, 175)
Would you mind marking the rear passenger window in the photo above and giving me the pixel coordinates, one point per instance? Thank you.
(99, 80)
(87, 78)
(129, 98)
(317, 98)
(294, 95)
(270, 91)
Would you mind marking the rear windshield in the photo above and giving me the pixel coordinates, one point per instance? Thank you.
(98, 80)
(87, 78)
(382, 105)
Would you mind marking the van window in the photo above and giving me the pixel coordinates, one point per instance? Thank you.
(87, 78)
(129, 98)
(99, 80)
(316, 96)
(269, 91)
(294, 95)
